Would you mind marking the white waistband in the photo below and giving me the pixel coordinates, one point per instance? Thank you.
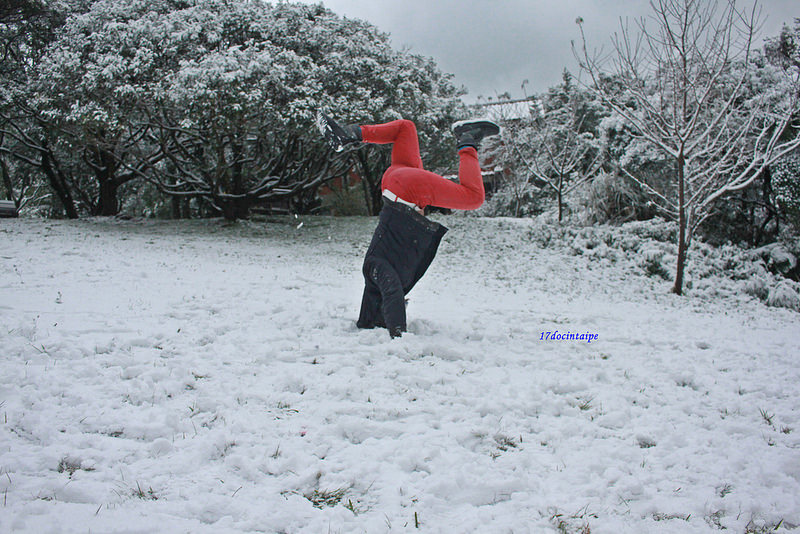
(394, 198)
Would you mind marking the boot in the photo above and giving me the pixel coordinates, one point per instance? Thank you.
(338, 136)
(472, 132)
(396, 331)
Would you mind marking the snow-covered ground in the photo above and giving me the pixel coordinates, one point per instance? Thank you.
(205, 377)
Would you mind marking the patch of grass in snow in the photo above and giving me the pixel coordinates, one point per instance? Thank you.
(765, 527)
(322, 498)
(715, 519)
(353, 508)
(767, 417)
(71, 465)
(277, 452)
(286, 408)
(505, 443)
(670, 517)
(585, 403)
(724, 490)
(576, 523)
(225, 449)
(148, 495)
(645, 442)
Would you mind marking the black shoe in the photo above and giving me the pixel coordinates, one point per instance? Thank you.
(396, 331)
(472, 132)
(337, 136)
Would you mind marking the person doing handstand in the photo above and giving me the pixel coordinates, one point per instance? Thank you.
(405, 241)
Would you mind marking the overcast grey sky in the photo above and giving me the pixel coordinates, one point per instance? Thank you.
(491, 46)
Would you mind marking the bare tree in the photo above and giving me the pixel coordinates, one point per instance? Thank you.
(515, 187)
(548, 145)
(557, 153)
(681, 79)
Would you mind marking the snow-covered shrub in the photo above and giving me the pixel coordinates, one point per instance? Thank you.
(647, 248)
(657, 229)
(727, 260)
(777, 258)
(791, 243)
(590, 238)
(626, 242)
(786, 294)
(744, 271)
(611, 198)
(546, 235)
(758, 282)
(514, 200)
(345, 202)
(582, 240)
(651, 259)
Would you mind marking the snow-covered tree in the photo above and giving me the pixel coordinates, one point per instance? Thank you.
(213, 99)
(786, 186)
(69, 117)
(246, 130)
(26, 29)
(549, 147)
(557, 147)
(784, 50)
(685, 74)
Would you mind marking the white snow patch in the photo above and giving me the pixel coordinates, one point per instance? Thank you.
(207, 377)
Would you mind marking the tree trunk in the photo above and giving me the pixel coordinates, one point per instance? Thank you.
(371, 175)
(682, 247)
(175, 204)
(678, 287)
(767, 197)
(7, 182)
(241, 206)
(59, 186)
(367, 195)
(108, 205)
(105, 168)
(560, 205)
(228, 211)
(235, 209)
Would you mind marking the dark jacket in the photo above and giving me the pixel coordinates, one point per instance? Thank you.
(403, 246)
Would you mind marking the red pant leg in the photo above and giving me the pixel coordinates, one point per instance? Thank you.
(407, 179)
(425, 188)
(403, 134)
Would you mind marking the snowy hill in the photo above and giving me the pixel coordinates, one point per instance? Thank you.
(203, 377)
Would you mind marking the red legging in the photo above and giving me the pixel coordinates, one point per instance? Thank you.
(408, 180)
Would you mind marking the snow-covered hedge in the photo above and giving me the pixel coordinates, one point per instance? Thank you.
(648, 248)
